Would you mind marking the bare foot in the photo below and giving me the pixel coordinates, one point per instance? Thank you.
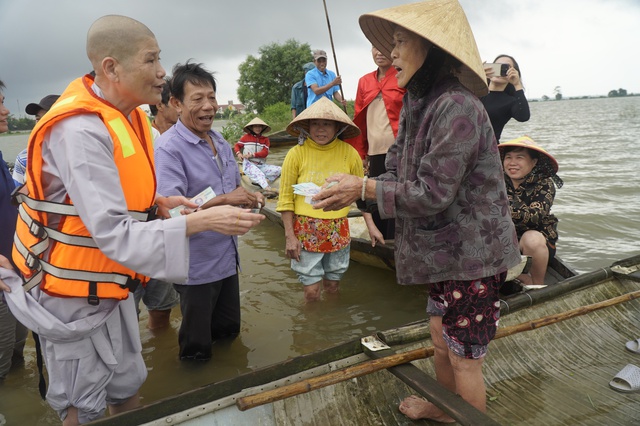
(525, 279)
(416, 408)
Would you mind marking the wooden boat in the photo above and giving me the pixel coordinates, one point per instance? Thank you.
(361, 249)
(252, 187)
(556, 351)
(381, 256)
(282, 138)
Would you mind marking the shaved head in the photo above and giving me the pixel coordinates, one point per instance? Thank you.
(115, 36)
(126, 59)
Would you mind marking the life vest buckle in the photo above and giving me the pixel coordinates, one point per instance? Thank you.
(93, 298)
(152, 213)
(37, 229)
(132, 284)
(32, 262)
(14, 194)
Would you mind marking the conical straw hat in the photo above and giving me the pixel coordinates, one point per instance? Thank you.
(443, 23)
(323, 109)
(547, 166)
(247, 128)
(546, 162)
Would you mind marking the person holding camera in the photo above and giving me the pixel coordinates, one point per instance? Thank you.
(506, 98)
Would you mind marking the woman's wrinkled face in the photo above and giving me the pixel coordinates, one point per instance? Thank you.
(408, 54)
(380, 60)
(518, 163)
(323, 131)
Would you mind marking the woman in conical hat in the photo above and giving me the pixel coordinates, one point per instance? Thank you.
(322, 109)
(545, 165)
(252, 149)
(453, 228)
(530, 173)
(317, 242)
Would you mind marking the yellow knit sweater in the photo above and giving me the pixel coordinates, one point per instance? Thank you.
(314, 163)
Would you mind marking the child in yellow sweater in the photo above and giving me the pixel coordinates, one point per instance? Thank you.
(317, 242)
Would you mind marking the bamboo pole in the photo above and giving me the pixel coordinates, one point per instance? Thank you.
(333, 49)
(372, 366)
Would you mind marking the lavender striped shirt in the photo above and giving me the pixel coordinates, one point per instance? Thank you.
(185, 165)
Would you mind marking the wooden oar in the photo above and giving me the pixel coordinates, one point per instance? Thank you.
(333, 49)
(372, 366)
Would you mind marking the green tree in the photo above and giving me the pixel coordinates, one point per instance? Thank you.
(18, 124)
(615, 93)
(558, 92)
(267, 79)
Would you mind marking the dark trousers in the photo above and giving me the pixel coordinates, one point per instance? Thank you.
(209, 312)
(386, 226)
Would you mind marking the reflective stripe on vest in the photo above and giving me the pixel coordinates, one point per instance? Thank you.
(64, 259)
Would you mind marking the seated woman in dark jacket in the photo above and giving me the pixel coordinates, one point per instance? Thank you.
(530, 174)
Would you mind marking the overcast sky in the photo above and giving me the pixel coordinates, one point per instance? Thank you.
(587, 47)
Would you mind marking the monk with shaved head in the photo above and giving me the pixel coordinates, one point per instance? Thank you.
(85, 235)
(123, 52)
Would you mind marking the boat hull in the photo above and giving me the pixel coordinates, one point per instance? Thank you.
(382, 256)
(553, 375)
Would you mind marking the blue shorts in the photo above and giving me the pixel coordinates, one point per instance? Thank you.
(157, 295)
(313, 267)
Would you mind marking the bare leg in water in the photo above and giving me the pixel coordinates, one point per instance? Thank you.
(158, 319)
(129, 404)
(330, 286)
(312, 292)
(460, 375)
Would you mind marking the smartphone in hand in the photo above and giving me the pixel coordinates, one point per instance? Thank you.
(498, 69)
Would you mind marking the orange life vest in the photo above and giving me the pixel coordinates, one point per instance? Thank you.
(74, 266)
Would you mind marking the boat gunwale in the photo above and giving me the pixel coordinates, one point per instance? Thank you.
(208, 394)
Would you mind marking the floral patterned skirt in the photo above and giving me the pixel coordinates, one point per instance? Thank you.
(322, 235)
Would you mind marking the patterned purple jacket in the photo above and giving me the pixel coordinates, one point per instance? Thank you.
(445, 188)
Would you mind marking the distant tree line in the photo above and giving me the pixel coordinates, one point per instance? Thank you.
(19, 124)
(617, 93)
(612, 94)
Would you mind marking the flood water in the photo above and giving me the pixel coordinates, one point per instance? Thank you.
(598, 207)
